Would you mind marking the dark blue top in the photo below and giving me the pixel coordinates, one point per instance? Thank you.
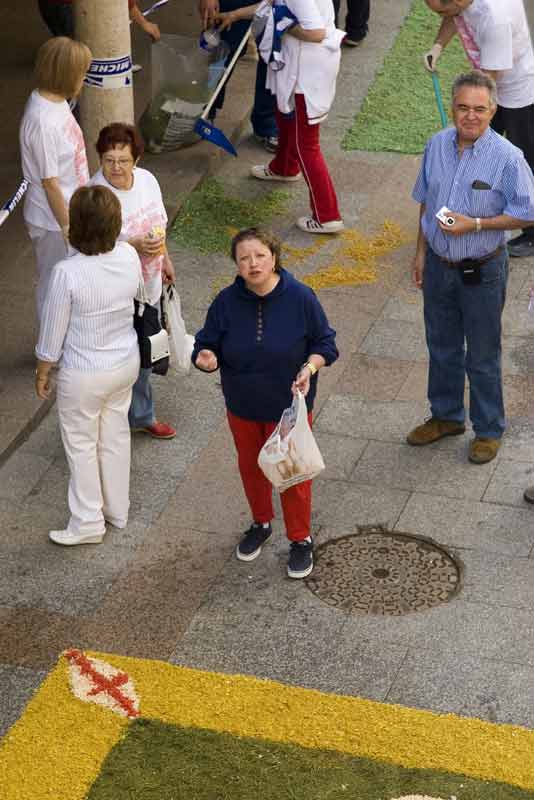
(261, 343)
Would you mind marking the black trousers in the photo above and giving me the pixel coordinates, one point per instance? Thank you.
(358, 12)
(518, 126)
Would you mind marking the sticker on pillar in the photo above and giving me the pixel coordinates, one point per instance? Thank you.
(109, 73)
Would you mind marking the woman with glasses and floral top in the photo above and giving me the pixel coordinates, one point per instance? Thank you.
(143, 226)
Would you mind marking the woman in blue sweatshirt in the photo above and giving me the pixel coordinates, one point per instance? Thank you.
(269, 336)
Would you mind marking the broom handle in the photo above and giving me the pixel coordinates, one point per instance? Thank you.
(226, 74)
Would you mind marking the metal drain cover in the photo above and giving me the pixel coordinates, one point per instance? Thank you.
(380, 572)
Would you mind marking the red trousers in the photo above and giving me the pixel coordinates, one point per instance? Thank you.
(299, 149)
(249, 437)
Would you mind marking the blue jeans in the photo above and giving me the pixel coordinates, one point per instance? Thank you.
(141, 411)
(263, 114)
(463, 334)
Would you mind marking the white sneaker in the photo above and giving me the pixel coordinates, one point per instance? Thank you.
(263, 172)
(310, 225)
(68, 538)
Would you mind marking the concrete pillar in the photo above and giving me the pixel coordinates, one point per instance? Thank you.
(107, 94)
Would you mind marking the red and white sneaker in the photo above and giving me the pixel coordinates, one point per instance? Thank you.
(310, 225)
(158, 430)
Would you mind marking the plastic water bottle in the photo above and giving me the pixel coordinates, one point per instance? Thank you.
(210, 39)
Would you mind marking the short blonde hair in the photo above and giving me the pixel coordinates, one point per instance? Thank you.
(61, 64)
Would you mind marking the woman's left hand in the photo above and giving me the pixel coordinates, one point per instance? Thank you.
(302, 382)
(169, 275)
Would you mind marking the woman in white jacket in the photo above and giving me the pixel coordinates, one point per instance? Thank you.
(305, 88)
(87, 326)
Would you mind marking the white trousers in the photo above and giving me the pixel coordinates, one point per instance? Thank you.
(93, 417)
(49, 247)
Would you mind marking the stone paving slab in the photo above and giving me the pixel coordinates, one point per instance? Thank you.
(508, 483)
(346, 415)
(468, 630)
(497, 579)
(339, 506)
(473, 687)
(17, 685)
(468, 524)
(394, 338)
(340, 454)
(374, 378)
(257, 621)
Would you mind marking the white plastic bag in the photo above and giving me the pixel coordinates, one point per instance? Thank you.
(180, 342)
(291, 455)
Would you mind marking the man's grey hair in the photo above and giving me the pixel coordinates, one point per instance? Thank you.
(477, 79)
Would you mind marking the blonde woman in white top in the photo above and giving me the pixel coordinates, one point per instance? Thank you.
(87, 326)
(305, 88)
(53, 152)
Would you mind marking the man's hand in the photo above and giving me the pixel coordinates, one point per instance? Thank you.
(430, 59)
(152, 30)
(207, 360)
(225, 19)
(418, 267)
(208, 10)
(462, 225)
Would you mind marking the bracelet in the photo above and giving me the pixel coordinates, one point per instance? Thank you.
(478, 224)
(313, 369)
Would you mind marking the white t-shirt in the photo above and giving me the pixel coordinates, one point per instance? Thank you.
(87, 317)
(500, 40)
(310, 67)
(51, 146)
(142, 210)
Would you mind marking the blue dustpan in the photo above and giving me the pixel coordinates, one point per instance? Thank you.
(207, 130)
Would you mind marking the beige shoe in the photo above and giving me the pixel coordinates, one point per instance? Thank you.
(482, 450)
(433, 430)
(528, 494)
(263, 173)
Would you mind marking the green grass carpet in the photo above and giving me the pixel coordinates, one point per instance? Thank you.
(158, 761)
(210, 217)
(400, 112)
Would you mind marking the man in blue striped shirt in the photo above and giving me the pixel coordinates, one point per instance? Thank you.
(461, 264)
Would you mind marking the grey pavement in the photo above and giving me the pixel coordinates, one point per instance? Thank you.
(169, 587)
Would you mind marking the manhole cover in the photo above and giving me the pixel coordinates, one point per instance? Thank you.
(380, 572)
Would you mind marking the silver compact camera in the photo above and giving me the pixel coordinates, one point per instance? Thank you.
(444, 216)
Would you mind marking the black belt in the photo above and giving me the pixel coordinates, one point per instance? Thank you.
(470, 262)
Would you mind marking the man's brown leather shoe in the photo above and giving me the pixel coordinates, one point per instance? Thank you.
(483, 450)
(528, 494)
(433, 430)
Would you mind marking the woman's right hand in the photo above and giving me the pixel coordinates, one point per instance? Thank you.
(42, 385)
(207, 360)
(148, 245)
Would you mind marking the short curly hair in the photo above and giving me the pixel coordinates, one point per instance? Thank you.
(264, 236)
(95, 220)
(120, 134)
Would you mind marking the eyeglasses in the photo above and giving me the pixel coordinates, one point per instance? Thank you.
(121, 162)
(478, 111)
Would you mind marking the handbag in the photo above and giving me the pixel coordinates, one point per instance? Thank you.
(181, 343)
(153, 340)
